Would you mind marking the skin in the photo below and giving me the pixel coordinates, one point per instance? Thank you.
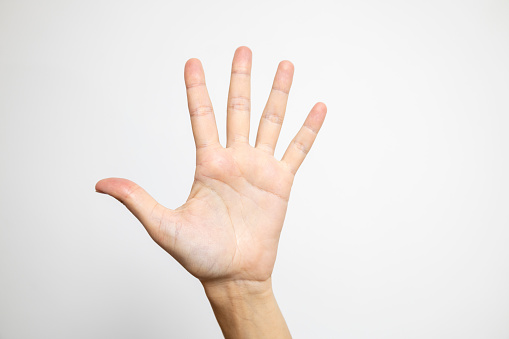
(227, 232)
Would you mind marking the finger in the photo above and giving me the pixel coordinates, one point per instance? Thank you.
(302, 142)
(239, 98)
(145, 208)
(203, 121)
(274, 112)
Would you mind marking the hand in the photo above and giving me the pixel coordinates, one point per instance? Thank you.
(228, 230)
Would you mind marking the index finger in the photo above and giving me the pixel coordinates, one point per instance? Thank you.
(302, 142)
(203, 121)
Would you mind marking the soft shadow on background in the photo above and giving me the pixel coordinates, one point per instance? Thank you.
(398, 222)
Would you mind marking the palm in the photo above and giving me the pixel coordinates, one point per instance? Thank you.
(238, 200)
(230, 225)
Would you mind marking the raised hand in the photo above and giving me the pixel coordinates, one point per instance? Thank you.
(228, 230)
(230, 225)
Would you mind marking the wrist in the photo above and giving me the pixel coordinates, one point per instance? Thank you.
(239, 290)
(246, 309)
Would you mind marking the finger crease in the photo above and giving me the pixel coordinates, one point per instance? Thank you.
(273, 117)
(240, 103)
(201, 111)
(239, 72)
(301, 147)
(310, 129)
(280, 90)
(198, 84)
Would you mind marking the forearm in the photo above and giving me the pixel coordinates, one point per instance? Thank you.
(246, 309)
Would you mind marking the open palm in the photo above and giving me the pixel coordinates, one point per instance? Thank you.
(230, 225)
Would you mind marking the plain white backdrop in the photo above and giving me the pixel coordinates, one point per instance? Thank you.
(398, 223)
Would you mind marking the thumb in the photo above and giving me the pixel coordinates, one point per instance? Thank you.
(145, 208)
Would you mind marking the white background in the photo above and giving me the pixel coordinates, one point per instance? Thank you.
(398, 223)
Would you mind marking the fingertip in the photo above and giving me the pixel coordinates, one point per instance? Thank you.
(242, 60)
(113, 186)
(317, 115)
(99, 186)
(243, 51)
(320, 106)
(192, 62)
(193, 72)
(287, 66)
(192, 66)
